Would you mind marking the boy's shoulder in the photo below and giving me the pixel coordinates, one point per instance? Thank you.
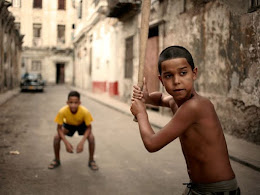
(198, 104)
(64, 108)
(83, 109)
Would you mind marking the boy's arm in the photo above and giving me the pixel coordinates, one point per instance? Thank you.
(159, 99)
(68, 146)
(181, 121)
(82, 141)
(60, 132)
(154, 98)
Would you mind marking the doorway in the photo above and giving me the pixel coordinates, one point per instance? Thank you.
(60, 73)
(151, 60)
(151, 67)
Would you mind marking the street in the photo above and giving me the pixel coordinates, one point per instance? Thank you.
(125, 167)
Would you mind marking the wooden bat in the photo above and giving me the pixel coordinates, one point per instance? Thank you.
(145, 14)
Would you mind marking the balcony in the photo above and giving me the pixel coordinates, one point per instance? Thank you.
(123, 8)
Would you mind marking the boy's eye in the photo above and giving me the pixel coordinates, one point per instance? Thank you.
(183, 73)
(167, 76)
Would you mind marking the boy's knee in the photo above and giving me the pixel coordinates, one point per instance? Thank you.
(57, 138)
(91, 138)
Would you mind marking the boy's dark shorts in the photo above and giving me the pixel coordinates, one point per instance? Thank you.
(72, 128)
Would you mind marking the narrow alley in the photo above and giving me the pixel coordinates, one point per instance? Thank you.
(27, 126)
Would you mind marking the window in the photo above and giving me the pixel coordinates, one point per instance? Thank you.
(253, 5)
(80, 9)
(37, 30)
(61, 34)
(37, 34)
(129, 58)
(37, 3)
(16, 3)
(36, 65)
(62, 4)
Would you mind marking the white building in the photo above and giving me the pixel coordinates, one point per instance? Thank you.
(48, 29)
(95, 66)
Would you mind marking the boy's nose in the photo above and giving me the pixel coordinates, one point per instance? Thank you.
(176, 80)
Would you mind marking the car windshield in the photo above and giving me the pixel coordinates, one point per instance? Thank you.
(31, 76)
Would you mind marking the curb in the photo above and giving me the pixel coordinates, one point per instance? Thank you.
(4, 97)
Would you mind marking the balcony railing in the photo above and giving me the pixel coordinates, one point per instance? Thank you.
(121, 8)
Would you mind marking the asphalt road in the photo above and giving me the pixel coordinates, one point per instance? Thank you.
(27, 126)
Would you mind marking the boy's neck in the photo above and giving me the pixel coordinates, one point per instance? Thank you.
(75, 111)
(180, 102)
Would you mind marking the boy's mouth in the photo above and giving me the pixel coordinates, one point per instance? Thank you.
(177, 90)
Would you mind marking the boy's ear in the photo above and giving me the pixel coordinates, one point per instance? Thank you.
(195, 73)
(160, 78)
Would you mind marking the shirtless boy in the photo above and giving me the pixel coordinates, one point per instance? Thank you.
(194, 122)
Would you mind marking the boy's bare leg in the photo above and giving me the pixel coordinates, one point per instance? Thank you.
(56, 146)
(91, 146)
(91, 142)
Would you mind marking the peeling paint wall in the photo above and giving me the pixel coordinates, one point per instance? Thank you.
(225, 44)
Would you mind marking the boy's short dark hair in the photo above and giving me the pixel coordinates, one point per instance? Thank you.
(175, 52)
(74, 93)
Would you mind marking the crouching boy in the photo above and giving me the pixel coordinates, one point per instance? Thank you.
(71, 118)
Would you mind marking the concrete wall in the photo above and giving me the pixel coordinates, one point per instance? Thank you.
(10, 50)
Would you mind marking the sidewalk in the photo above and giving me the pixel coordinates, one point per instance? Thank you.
(4, 97)
(240, 150)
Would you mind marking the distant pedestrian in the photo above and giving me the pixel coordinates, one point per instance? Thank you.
(71, 118)
(194, 121)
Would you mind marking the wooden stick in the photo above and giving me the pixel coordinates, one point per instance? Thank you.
(145, 14)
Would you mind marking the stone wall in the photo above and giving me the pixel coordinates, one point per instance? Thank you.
(10, 50)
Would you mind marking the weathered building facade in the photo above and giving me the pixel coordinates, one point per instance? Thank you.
(10, 49)
(95, 36)
(223, 37)
(48, 29)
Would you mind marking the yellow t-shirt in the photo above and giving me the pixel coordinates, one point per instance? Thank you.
(65, 116)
